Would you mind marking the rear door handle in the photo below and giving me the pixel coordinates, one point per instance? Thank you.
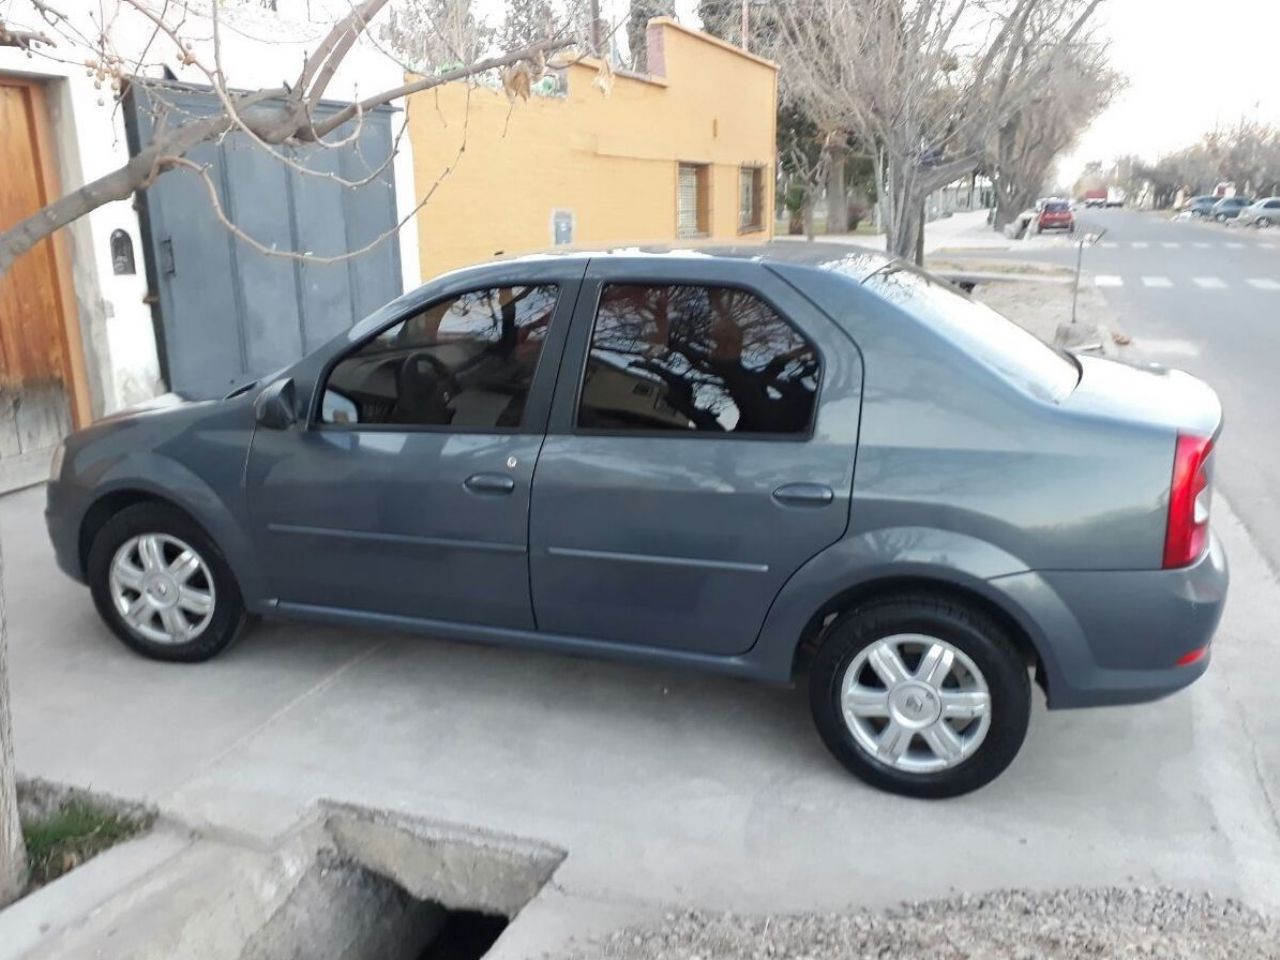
(489, 483)
(804, 495)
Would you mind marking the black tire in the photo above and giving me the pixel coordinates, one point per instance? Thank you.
(971, 631)
(228, 616)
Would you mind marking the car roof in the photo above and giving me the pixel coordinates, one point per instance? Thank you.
(851, 261)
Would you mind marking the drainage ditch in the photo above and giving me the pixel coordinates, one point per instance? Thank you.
(359, 884)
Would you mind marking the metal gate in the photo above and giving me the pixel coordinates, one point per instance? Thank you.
(226, 312)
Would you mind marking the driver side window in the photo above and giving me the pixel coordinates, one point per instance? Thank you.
(466, 362)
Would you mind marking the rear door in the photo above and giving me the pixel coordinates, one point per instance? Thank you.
(701, 449)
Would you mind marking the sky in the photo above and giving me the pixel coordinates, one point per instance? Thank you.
(1191, 64)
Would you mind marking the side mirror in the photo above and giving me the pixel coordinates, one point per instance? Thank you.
(276, 407)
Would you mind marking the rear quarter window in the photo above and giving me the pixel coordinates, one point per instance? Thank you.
(1010, 351)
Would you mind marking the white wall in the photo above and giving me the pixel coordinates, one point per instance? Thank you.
(259, 48)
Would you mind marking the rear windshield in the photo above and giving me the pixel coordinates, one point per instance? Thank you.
(1058, 207)
(1018, 356)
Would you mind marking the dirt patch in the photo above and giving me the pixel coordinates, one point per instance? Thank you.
(1077, 924)
(64, 826)
(980, 265)
(1045, 308)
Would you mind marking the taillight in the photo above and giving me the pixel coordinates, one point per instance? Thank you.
(1188, 529)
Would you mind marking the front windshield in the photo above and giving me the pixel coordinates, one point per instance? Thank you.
(1020, 357)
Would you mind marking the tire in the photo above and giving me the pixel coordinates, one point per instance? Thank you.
(196, 601)
(981, 656)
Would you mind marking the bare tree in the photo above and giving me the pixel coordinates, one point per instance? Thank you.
(919, 84)
(440, 40)
(273, 118)
(1078, 85)
(13, 852)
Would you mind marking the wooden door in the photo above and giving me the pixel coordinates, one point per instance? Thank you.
(36, 376)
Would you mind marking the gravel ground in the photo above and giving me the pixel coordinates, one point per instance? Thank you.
(1098, 924)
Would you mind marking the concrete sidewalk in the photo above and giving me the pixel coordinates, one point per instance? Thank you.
(665, 788)
(968, 231)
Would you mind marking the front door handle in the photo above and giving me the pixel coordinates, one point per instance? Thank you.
(489, 483)
(804, 495)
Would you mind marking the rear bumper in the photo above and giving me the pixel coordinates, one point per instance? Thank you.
(1113, 637)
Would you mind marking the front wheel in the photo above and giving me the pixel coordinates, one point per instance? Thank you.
(920, 696)
(162, 586)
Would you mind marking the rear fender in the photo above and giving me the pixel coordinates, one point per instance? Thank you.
(896, 553)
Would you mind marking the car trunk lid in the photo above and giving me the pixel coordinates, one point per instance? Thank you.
(1148, 393)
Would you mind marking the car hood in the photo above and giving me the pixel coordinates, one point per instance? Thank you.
(165, 401)
(1146, 393)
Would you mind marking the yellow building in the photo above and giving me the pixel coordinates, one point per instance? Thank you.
(684, 154)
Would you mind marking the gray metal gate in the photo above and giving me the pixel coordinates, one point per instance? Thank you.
(227, 312)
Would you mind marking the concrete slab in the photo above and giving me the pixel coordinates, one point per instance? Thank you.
(665, 788)
(65, 904)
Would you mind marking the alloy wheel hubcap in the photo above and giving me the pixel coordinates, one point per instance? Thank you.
(162, 588)
(916, 703)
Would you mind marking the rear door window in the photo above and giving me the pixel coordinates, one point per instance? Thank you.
(696, 359)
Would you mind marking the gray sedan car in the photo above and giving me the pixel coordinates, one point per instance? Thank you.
(840, 469)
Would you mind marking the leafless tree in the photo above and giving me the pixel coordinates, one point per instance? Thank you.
(273, 118)
(1077, 86)
(13, 852)
(439, 40)
(919, 84)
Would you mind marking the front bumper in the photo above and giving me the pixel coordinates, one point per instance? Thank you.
(63, 513)
(1116, 636)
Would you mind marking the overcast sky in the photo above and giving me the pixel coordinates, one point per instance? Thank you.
(1191, 64)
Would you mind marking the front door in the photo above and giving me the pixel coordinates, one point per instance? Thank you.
(408, 492)
(701, 449)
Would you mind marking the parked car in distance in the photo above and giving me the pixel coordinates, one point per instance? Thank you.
(1228, 208)
(1201, 206)
(768, 466)
(1055, 215)
(1261, 213)
(1095, 198)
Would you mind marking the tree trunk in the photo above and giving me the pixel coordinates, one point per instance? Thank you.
(13, 852)
(837, 195)
(905, 224)
(808, 216)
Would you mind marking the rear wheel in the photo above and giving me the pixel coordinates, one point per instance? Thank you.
(162, 585)
(920, 696)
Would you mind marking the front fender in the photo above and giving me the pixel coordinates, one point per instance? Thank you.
(893, 553)
(161, 476)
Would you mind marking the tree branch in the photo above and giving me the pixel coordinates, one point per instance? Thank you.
(426, 83)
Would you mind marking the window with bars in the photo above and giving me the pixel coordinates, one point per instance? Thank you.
(692, 201)
(750, 198)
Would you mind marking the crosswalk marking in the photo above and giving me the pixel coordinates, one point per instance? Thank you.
(1156, 282)
(1110, 244)
(1262, 283)
(1234, 246)
(1107, 280)
(1201, 244)
(1170, 243)
(1139, 244)
(1209, 283)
